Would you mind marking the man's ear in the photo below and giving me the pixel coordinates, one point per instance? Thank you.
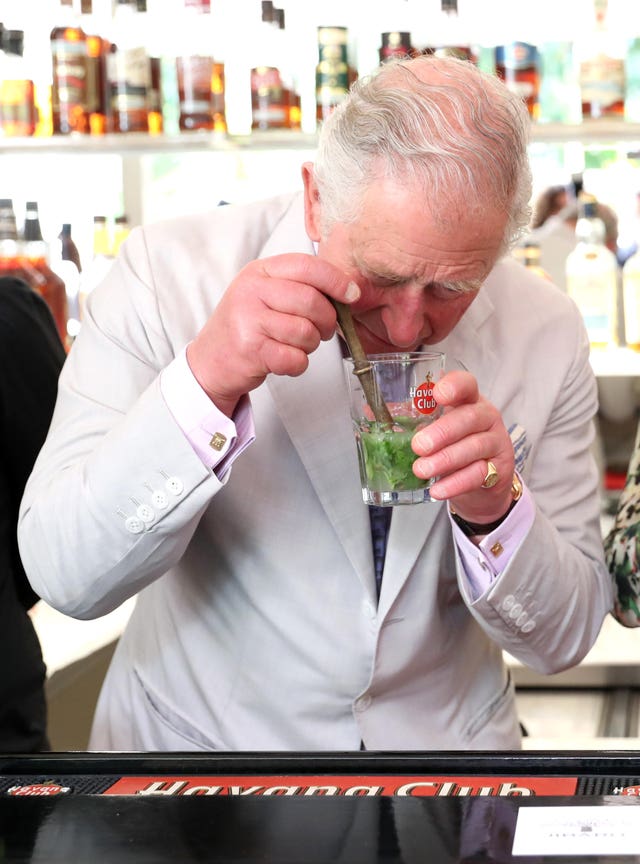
(311, 202)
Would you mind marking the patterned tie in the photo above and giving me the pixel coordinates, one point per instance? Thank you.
(380, 521)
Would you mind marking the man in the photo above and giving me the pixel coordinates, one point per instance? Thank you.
(202, 453)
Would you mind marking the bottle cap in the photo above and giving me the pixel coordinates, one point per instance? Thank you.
(13, 42)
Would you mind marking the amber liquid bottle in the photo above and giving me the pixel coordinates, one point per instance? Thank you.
(601, 69)
(269, 102)
(69, 70)
(200, 76)
(518, 66)
(17, 93)
(395, 43)
(35, 255)
(129, 71)
(98, 47)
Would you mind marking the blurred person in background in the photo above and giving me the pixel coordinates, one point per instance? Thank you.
(31, 357)
(622, 546)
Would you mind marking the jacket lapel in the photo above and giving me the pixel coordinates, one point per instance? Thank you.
(314, 409)
(315, 412)
(412, 525)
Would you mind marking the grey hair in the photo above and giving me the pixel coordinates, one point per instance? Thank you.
(462, 138)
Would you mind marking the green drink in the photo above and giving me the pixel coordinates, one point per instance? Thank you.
(404, 382)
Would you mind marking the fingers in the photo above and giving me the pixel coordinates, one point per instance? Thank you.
(313, 271)
(456, 448)
(271, 317)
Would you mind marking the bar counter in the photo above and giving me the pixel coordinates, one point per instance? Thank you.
(309, 808)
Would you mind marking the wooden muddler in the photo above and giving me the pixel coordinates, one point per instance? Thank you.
(361, 365)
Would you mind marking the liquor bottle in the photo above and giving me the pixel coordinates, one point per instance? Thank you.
(69, 67)
(64, 259)
(290, 92)
(395, 44)
(632, 81)
(98, 48)
(529, 255)
(129, 70)
(101, 262)
(269, 106)
(517, 65)
(17, 92)
(600, 58)
(147, 28)
(200, 76)
(333, 76)
(592, 276)
(10, 249)
(559, 91)
(452, 39)
(47, 283)
(121, 231)
(68, 249)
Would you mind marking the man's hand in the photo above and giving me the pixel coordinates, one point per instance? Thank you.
(457, 446)
(271, 317)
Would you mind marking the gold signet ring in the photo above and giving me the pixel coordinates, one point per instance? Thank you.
(491, 477)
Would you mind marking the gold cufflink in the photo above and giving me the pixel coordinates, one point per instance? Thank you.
(218, 441)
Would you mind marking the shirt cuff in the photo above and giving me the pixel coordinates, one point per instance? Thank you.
(217, 439)
(483, 564)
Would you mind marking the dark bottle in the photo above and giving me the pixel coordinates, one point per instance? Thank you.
(35, 254)
(333, 73)
(68, 248)
(69, 70)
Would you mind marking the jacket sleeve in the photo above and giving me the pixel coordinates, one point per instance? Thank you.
(117, 490)
(547, 607)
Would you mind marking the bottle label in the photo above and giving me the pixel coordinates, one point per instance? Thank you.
(517, 55)
(595, 296)
(69, 72)
(602, 80)
(129, 73)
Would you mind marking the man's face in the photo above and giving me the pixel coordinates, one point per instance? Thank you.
(409, 266)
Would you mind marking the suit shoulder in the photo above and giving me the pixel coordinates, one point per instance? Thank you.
(257, 218)
(511, 283)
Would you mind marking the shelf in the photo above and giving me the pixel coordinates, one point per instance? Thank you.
(615, 363)
(589, 132)
(141, 143)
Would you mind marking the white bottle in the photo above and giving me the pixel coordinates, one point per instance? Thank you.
(592, 276)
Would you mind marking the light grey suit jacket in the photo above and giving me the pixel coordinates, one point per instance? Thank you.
(256, 626)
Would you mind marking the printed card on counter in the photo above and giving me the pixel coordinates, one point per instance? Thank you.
(584, 831)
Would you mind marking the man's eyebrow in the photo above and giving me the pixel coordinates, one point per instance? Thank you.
(381, 272)
(463, 286)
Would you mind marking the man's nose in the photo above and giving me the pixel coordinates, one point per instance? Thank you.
(403, 315)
